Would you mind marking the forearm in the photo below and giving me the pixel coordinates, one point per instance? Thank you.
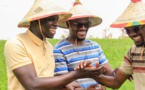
(53, 82)
(28, 78)
(30, 81)
(108, 81)
(113, 81)
(112, 72)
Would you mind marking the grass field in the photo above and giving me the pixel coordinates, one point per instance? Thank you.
(3, 76)
(114, 50)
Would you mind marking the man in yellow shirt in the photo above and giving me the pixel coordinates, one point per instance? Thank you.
(29, 57)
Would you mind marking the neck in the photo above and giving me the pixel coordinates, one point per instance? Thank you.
(36, 32)
(75, 41)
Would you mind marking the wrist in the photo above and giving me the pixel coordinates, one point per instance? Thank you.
(98, 78)
(115, 71)
(76, 74)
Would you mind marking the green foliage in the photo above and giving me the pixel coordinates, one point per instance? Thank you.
(114, 50)
(3, 76)
(53, 41)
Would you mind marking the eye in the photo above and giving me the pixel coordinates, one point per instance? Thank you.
(52, 19)
(142, 27)
(79, 25)
(134, 29)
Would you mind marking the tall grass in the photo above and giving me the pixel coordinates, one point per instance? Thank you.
(3, 76)
(114, 50)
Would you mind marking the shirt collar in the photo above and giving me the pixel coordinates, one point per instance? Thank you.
(34, 38)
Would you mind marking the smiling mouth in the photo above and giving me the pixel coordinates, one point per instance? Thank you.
(136, 38)
(52, 29)
(82, 33)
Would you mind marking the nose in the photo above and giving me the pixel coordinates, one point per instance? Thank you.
(132, 34)
(55, 22)
(83, 27)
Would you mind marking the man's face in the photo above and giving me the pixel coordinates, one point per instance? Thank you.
(137, 34)
(79, 28)
(49, 26)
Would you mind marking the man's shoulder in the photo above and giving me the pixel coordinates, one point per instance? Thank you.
(13, 42)
(91, 42)
(61, 43)
(15, 39)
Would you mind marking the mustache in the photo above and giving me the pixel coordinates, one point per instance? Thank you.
(81, 31)
(53, 27)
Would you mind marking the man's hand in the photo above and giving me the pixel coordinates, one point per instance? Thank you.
(84, 64)
(93, 87)
(88, 70)
(73, 86)
(96, 87)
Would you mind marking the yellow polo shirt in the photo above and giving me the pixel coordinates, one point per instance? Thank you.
(24, 49)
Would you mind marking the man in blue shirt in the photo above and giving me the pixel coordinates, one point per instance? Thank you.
(69, 52)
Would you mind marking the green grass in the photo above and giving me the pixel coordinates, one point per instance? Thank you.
(114, 50)
(3, 76)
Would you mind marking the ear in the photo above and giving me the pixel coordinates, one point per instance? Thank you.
(34, 23)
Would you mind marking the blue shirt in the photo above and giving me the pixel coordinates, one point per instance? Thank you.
(68, 56)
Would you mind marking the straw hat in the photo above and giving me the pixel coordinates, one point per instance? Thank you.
(133, 15)
(42, 9)
(79, 11)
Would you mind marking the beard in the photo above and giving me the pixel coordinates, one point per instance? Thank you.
(141, 44)
(80, 39)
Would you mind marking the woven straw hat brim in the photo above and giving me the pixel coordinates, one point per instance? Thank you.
(79, 11)
(42, 9)
(133, 15)
(93, 19)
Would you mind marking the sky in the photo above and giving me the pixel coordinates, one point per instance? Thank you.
(12, 11)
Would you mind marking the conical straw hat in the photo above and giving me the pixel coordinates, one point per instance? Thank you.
(79, 11)
(42, 9)
(133, 15)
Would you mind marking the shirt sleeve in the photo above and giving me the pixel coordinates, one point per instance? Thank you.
(126, 66)
(60, 62)
(102, 58)
(99, 53)
(15, 54)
